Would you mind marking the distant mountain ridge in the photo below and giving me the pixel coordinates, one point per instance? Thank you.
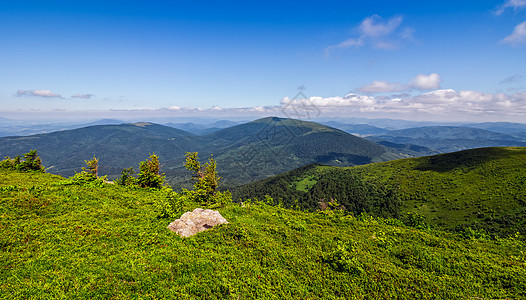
(118, 146)
(245, 152)
(502, 127)
(361, 129)
(450, 138)
(202, 129)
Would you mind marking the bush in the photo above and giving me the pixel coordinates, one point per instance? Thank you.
(149, 173)
(92, 166)
(127, 177)
(87, 178)
(415, 220)
(89, 174)
(206, 182)
(170, 205)
(343, 258)
(31, 162)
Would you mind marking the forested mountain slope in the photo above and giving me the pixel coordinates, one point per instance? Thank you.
(482, 188)
(246, 152)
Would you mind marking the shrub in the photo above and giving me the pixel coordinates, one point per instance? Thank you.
(170, 205)
(343, 258)
(31, 162)
(89, 174)
(206, 181)
(415, 220)
(127, 177)
(149, 173)
(92, 166)
(87, 178)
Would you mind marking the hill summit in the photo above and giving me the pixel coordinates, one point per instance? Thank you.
(245, 152)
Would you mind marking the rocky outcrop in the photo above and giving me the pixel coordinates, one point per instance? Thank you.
(196, 221)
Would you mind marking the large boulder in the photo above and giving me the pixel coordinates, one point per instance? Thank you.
(196, 221)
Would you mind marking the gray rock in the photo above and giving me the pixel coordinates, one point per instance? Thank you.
(196, 221)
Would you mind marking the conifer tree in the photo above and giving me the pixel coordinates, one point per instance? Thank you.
(92, 167)
(206, 181)
(149, 173)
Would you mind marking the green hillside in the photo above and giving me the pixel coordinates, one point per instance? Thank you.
(117, 146)
(247, 152)
(481, 188)
(270, 146)
(60, 240)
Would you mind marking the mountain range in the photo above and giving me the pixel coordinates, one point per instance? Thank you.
(248, 151)
(451, 138)
(245, 152)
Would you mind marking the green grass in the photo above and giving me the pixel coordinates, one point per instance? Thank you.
(480, 188)
(69, 241)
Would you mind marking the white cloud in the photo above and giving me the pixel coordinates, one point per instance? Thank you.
(382, 87)
(349, 101)
(445, 103)
(379, 34)
(420, 82)
(515, 4)
(38, 93)
(436, 105)
(373, 27)
(518, 36)
(426, 82)
(83, 96)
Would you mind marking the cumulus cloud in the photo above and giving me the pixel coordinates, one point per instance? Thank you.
(518, 36)
(351, 101)
(83, 96)
(378, 33)
(38, 93)
(442, 103)
(421, 82)
(438, 105)
(426, 82)
(382, 87)
(515, 4)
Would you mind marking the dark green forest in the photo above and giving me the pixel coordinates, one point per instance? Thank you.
(484, 189)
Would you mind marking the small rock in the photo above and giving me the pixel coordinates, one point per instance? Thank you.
(196, 221)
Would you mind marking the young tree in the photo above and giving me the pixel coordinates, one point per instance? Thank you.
(206, 181)
(127, 177)
(92, 167)
(89, 174)
(31, 162)
(149, 173)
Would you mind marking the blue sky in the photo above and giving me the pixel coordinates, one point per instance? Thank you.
(446, 60)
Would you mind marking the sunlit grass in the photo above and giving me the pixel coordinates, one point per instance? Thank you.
(68, 241)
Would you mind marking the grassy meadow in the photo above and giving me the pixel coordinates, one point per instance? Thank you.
(100, 241)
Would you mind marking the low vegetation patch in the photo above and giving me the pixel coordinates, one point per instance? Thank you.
(63, 240)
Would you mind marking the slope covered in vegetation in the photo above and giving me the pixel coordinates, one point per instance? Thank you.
(247, 152)
(63, 240)
(480, 188)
